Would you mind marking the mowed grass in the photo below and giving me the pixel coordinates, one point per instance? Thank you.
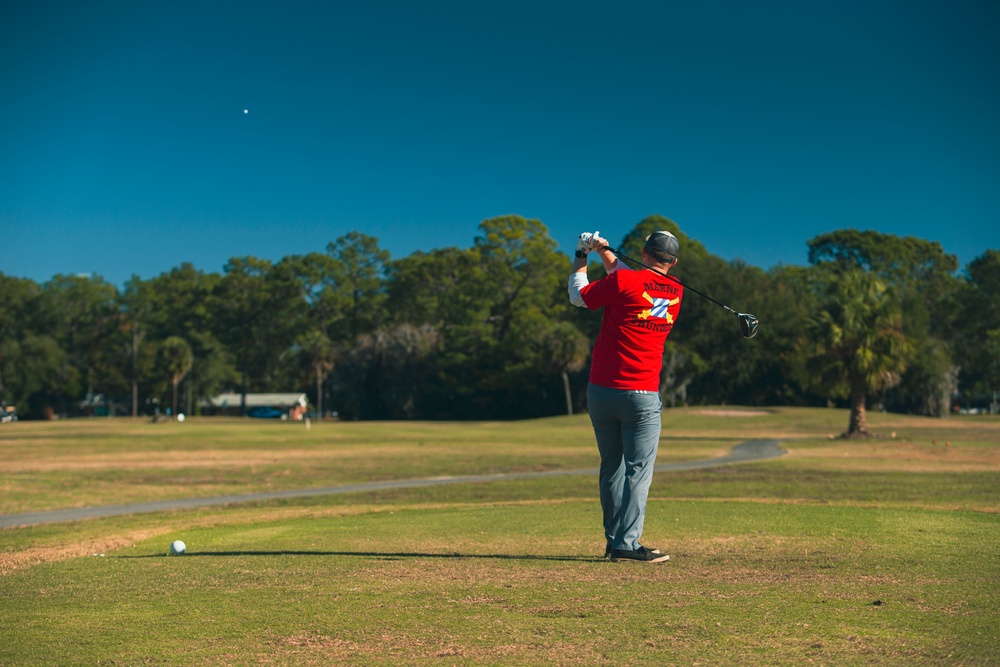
(874, 552)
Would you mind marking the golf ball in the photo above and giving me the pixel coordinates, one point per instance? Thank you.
(177, 548)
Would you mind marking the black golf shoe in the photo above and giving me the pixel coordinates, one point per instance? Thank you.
(607, 551)
(640, 555)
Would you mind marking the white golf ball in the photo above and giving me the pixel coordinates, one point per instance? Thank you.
(180, 416)
(246, 111)
(177, 548)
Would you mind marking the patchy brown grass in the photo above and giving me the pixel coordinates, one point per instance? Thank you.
(175, 460)
(377, 593)
(14, 560)
(900, 455)
(730, 572)
(315, 648)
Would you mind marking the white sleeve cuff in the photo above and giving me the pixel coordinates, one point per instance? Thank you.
(577, 281)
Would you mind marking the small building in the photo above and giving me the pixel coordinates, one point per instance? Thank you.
(273, 406)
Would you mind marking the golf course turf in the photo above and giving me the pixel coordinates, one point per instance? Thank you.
(883, 551)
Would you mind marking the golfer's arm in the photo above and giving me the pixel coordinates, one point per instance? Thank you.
(608, 259)
(577, 281)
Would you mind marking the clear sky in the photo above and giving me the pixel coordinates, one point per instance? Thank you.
(125, 148)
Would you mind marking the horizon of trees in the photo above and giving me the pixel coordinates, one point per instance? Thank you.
(487, 332)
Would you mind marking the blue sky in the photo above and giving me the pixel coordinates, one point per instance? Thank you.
(125, 149)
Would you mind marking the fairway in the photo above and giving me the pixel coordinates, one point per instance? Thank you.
(882, 551)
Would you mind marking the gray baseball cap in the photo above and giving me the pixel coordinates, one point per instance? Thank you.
(663, 245)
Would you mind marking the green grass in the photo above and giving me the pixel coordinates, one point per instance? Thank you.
(880, 552)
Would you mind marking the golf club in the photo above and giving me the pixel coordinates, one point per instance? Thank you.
(748, 322)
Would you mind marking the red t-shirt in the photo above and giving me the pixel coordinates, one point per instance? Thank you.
(639, 311)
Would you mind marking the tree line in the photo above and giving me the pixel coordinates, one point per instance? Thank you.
(487, 332)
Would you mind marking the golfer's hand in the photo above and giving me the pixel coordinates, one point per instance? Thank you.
(597, 242)
(583, 243)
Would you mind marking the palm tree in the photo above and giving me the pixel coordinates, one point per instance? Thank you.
(681, 365)
(319, 353)
(858, 344)
(565, 350)
(177, 360)
(135, 305)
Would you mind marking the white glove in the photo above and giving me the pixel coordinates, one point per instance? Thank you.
(589, 242)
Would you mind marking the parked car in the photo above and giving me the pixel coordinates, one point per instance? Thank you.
(265, 413)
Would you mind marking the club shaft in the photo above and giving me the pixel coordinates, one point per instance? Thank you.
(623, 256)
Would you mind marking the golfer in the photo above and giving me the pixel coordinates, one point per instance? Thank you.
(623, 396)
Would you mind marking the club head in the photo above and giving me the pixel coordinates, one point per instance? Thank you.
(748, 324)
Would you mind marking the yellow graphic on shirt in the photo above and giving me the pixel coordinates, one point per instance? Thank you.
(659, 308)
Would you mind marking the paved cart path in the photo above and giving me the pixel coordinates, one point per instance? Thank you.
(752, 450)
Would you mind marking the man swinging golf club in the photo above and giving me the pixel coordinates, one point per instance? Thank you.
(623, 396)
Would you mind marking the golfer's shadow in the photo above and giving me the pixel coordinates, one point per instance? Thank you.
(375, 555)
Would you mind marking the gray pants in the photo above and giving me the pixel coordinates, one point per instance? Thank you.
(627, 426)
